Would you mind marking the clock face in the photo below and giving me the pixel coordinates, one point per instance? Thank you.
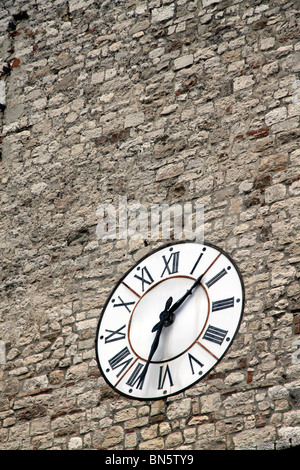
(169, 320)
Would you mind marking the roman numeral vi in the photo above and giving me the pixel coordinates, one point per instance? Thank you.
(163, 376)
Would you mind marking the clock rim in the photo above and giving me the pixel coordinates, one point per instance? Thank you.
(153, 251)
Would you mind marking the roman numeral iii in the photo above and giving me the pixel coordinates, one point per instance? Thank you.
(221, 304)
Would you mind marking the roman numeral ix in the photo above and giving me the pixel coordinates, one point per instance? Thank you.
(115, 335)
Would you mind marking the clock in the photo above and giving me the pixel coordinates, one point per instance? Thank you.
(169, 320)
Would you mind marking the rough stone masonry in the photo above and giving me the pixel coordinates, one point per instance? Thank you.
(159, 101)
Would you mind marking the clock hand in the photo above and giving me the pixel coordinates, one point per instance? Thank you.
(165, 319)
(169, 315)
(163, 316)
(188, 292)
(170, 318)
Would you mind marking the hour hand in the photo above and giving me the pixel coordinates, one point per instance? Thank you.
(169, 314)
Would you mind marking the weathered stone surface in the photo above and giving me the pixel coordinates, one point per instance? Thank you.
(169, 171)
(109, 438)
(2, 352)
(133, 120)
(184, 61)
(254, 437)
(163, 102)
(163, 13)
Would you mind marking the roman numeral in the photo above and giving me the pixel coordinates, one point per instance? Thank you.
(171, 265)
(196, 264)
(119, 360)
(221, 304)
(163, 376)
(216, 278)
(191, 359)
(135, 377)
(145, 273)
(115, 335)
(123, 304)
(214, 334)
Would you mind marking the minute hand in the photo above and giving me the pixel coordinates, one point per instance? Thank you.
(188, 292)
(159, 327)
(180, 301)
(185, 296)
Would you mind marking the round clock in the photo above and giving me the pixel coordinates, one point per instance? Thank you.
(169, 320)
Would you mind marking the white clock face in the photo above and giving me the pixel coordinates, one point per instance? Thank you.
(192, 332)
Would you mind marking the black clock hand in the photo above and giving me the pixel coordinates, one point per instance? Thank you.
(169, 317)
(185, 296)
(155, 343)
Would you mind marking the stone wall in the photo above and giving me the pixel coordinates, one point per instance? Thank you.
(159, 101)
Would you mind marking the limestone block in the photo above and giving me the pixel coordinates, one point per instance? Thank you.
(2, 92)
(2, 352)
(105, 438)
(276, 115)
(179, 409)
(183, 61)
(210, 402)
(275, 193)
(133, 120)
(253, 437)
(169, 171)
(75, 443)
(207, 3)
(245, 81)
(79, 4)
(97, 77)
(163, 13)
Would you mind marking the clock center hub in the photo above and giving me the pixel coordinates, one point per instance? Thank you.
(169, 320)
